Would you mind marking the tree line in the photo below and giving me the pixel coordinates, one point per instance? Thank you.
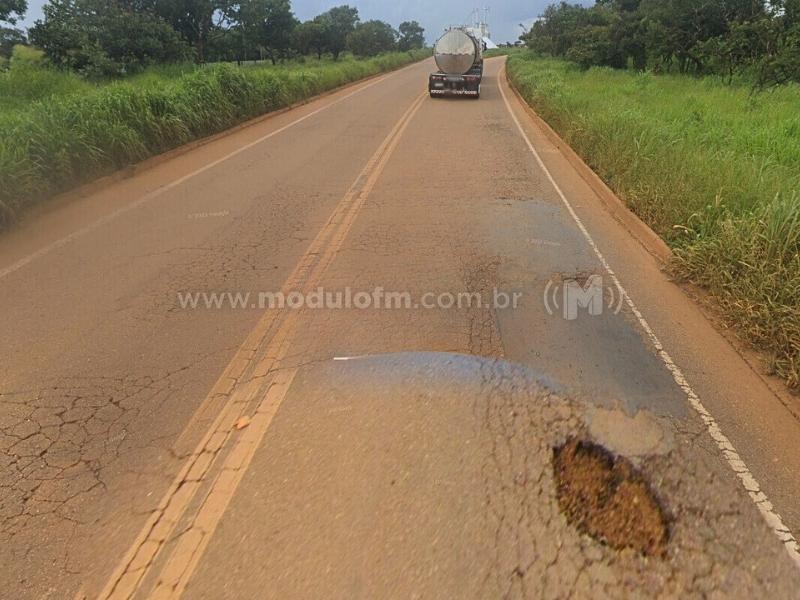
(753, 38)
(116, 37)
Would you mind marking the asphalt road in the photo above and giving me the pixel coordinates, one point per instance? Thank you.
(118, 401)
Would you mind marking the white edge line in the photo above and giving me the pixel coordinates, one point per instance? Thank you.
(23, 262)
(737, 465)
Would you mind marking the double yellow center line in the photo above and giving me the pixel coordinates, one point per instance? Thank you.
(159, 564)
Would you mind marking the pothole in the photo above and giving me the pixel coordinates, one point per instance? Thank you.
(607, 498)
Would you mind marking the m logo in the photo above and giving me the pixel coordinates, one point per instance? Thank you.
(589, 295)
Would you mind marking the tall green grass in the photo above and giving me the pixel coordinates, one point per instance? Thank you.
(75, 133)
(27, 79)
(713, 168)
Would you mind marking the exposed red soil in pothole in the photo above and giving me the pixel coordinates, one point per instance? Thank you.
(607, 498)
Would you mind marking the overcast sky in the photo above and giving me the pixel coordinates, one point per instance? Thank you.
(434, 15)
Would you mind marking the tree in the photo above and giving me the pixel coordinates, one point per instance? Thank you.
(789, 10)
(101, 37)
(372, 38)
(12, 10)
(310, 36)
(592, 47)
(200, 22)
(785, 66)
(676, 27)
(8, 39)
(247, 17)
(228, 45)
(559, 28)
(741, 48)
(412, 36)
(700, 36)
(782, 65)
(627, 32)
(338, 23)
(607, 34)
(266, 25)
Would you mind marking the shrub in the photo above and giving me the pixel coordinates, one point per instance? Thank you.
(102, 38)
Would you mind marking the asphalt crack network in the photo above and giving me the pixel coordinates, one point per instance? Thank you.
(480, 278)
(56, 441)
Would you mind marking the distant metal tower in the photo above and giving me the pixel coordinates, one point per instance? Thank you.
(479, 18)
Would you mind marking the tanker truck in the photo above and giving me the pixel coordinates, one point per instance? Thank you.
(459, 57)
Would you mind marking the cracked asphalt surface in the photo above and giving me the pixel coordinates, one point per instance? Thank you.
(448, 492)
(399, 476)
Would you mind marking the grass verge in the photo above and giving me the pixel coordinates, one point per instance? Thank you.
(713, 168)
(78, 132)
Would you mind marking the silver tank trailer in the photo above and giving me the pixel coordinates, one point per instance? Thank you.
(456, 52)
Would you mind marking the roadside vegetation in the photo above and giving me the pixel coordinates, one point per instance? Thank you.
(713, 167)
(98, 85)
